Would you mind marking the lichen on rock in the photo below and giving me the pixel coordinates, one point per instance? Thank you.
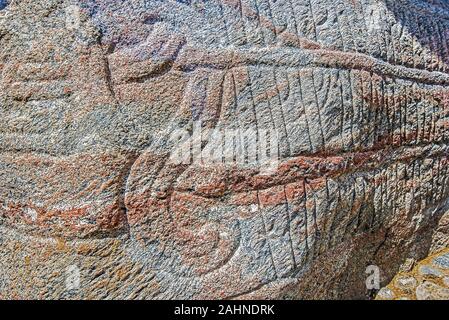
(222, 149)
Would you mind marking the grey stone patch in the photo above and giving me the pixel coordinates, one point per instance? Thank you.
(386, 293)
(429, 271)
(446, 281)
(408, 265)
(406, 283)
(431, 291)
(66, 91)
(442, 261)
(3, 4)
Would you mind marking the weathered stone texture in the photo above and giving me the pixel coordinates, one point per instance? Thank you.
(428, 280)
(91, 93)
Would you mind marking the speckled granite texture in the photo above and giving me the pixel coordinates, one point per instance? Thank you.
(93, 92)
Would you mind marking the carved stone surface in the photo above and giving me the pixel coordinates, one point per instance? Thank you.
(93, 92)
(428, 280)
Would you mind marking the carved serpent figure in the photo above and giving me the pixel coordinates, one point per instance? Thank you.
(356, 91)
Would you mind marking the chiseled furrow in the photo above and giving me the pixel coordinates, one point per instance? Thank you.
(290, 57)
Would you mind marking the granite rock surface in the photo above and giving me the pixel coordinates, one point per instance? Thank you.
(97, 96)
